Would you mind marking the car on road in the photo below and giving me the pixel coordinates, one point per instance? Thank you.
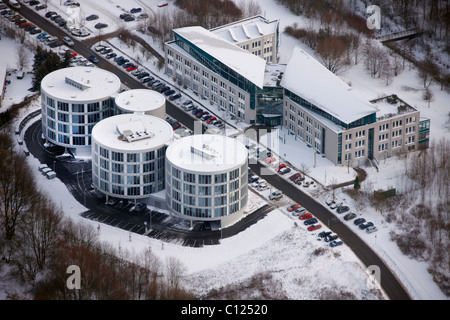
(314, 227)
(363, 226)
(68, 42)
(371, 229)
(359, 221)
(335, 243)
(93, 59)
(342, 209)
(305, 216)
(293, 207)
(309, 221)
(349, 216)
(276, 195)
(92, 17)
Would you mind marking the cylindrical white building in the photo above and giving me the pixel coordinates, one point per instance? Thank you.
(128, 155)
(206, 178)
(73, 100)
(141, 101)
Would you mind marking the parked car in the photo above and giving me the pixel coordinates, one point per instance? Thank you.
(40, 7)
(101, 25)
(335, 243)
(35, 31)
(299, 211)
(371, 229)
(293, 207)
(262, 187)
(342, 209)
(211, 119)
(363, 226)
(314, 227)
(139, 207)
(359, 221)
(331, 237)
(68, 42)
(295, 176)
(169, 92)
(276, 195)
(305, 216)
(92, 17)
(175, 97)
(50, 14)
(135, 10)
(324, 234)
(129, 18)
(349, 216)
(284, 170)
(309, 221)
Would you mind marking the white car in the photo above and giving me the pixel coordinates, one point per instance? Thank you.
(276, 195)
(262, 186)
(371, 229)
(68, 42)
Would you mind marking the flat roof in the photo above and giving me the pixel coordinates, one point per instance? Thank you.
(207, 153)
(243, 62)
(149, 132)
(246, 29)
(80, 84)
(310, 80)
(140, 100)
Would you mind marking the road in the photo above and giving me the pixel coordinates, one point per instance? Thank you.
(389, 282)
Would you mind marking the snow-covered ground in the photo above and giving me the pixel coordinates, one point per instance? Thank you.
(279, 244)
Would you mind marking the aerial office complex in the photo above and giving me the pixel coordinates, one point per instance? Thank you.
(73, 100)
(337, 122)
(228, 66)
(207, 178)
(128, 155)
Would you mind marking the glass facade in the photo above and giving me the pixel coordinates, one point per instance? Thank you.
(70, 124)
(200, 195)
(128, 174)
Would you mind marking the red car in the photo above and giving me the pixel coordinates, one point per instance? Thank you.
(305, 216)
(314, 227)
(293, 207)
(24, 25)
(211, 120)
(270, 160)
(132, 67)
(295, 176)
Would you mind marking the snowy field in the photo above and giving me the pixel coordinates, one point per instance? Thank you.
(276, 244)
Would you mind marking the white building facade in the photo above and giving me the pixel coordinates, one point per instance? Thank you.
(143, 101)
(207, 178)
(73, 100)
(328, 115)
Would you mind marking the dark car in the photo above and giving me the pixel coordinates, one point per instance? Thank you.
(359, 221)
(50, 14)
(136, 10)
(139, 208)
(111, 55)
(93, 59)
(330, 238)
(342, 209)
(116, 59)
(129, 18)
(123, 61)
(100, 25)
(143, 75)
(40, 7)
(30, 27)
(349, 216)
(92, 17)
(55, 44)
(35, 31)
(175, 97)
(106, 50)
(309, 221)
(324, 234)
(169, 92)
(123, 15)
(365, 225)
(34, 2)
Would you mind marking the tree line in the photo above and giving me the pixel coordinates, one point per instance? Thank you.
(38, 242)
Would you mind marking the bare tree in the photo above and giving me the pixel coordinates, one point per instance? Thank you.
(23, 58)
(333, 54)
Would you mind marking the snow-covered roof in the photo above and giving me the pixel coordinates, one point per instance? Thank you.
(140, 100)
(272, 74)
(247, 29)
(132, 132)
(80, 84)
(206, 153)
(243, 62)
(310, 80)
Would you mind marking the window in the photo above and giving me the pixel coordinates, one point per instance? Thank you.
(189, 177)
